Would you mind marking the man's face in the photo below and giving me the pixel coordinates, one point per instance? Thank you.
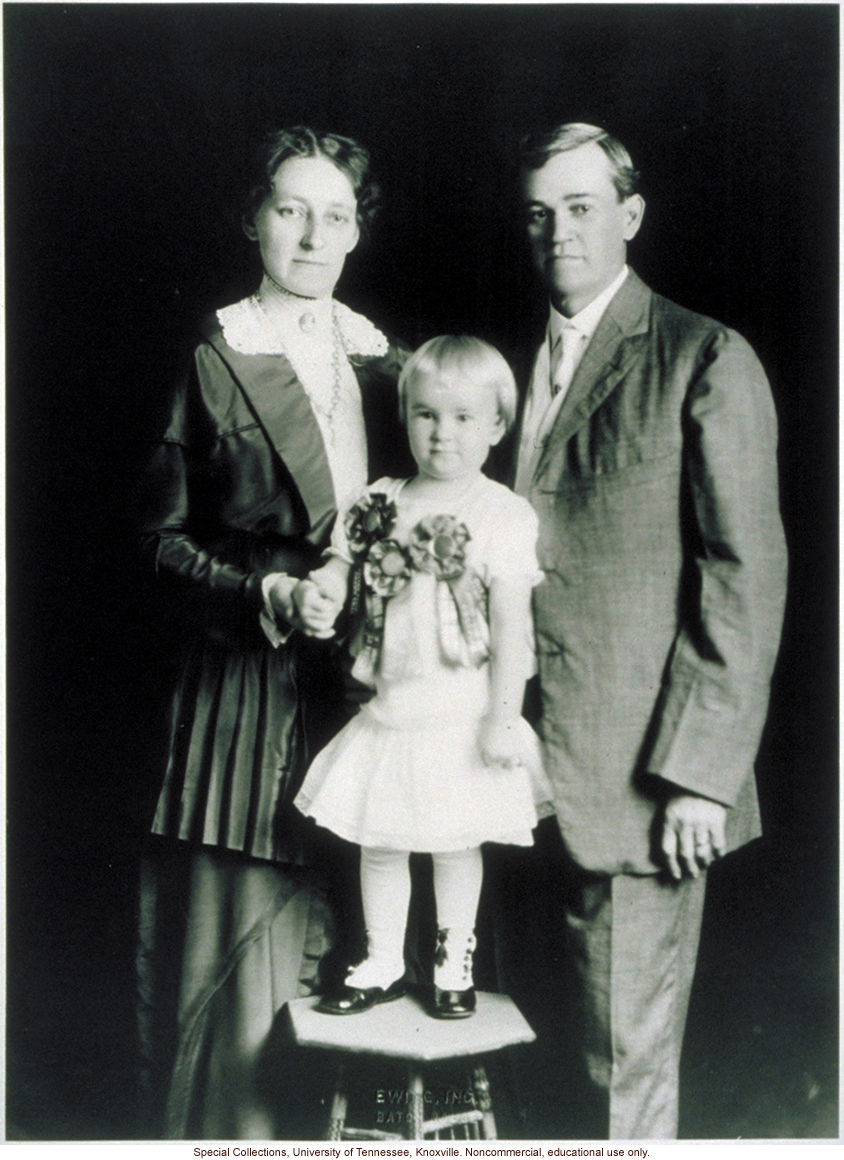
(577, 226)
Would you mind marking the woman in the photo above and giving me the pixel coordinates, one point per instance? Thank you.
(285, 410)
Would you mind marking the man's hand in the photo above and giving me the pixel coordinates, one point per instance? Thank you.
(692, 834)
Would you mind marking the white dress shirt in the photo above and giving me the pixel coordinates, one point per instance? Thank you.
(556, 363)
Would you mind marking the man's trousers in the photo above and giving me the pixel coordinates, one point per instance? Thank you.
(602, 967)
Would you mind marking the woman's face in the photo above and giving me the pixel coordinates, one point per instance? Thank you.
(307, 226)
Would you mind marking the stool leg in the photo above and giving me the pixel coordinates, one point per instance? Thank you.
(416, 1103)
(339, 1105)
(481, 1085)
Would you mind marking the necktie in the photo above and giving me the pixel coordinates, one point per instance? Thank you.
(565, 359)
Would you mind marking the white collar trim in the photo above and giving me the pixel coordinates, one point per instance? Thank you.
(248, 330)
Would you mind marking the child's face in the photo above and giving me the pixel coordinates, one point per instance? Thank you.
(451, 423)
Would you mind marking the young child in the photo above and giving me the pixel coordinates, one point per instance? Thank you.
(440, 760)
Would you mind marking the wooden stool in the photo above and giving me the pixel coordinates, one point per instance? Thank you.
(403, 1030)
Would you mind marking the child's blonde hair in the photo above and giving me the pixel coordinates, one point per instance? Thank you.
(463, 357)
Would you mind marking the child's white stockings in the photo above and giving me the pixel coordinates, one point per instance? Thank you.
(385, 886)
(458, 877)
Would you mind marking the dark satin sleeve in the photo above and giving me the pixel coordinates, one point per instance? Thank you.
(177, 523)
(167, 541)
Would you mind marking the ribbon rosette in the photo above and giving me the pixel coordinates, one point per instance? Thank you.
(383, 567)
(381, 570)
(438, 545)
(369, 520)
(386, 569)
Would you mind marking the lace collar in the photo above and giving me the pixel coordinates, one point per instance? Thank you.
(247, 329)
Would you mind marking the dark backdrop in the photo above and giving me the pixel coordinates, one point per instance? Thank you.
(126, 130)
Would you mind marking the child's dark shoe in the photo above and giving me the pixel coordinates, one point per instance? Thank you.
(452, 1004)
(453, 995)
(348, 1000)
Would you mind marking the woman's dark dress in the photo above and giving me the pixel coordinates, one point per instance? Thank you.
(236, 898)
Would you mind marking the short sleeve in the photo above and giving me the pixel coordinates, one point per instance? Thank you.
(511, 548)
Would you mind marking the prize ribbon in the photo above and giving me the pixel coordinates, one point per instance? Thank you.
(382, 568)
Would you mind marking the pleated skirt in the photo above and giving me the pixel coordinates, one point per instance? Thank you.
(245, 720)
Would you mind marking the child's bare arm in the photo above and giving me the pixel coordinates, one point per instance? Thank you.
(332, 579)
(510, 667)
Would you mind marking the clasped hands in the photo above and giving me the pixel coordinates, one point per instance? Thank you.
(312, 605)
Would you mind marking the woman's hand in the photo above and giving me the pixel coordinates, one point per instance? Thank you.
(278, 596)
(317, 606)
(311, 605)
(499, 741)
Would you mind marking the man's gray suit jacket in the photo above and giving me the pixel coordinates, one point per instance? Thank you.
(659, 617)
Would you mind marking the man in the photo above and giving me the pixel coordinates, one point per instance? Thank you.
(648, 449)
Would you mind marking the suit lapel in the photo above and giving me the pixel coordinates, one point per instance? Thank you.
(280, 404)
(611, 352)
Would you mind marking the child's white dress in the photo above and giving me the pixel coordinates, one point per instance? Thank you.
(406, 773)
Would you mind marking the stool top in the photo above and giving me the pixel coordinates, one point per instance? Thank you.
(404, 1029)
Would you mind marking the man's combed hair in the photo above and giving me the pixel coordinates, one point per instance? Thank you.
(538, 148)
(300, 141)
(464, 358)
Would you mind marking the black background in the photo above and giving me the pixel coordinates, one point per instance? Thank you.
(127, 127)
